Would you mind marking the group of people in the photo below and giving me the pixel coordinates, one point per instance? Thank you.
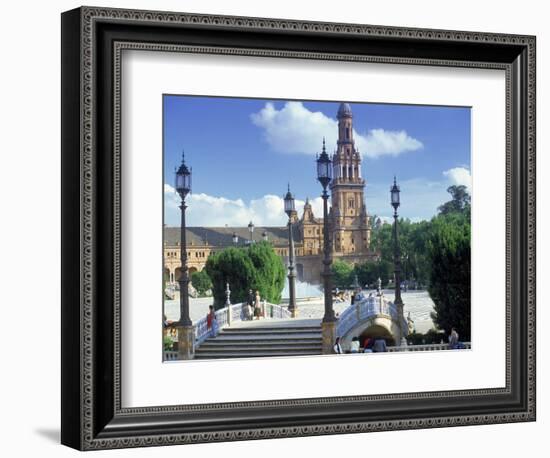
(370, 345)
(253, 308)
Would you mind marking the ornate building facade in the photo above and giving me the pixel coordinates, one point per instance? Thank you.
(349, 223)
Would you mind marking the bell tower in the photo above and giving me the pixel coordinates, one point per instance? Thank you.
(350, 222)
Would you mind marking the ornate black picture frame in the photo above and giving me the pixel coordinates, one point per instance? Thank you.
(92, 41)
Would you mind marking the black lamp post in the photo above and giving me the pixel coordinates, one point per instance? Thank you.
(235, 239)
(251, 230)
(183, 187)
(289, 210)
(395, 202)
(324, 175)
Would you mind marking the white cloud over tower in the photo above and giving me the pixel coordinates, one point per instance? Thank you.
(294, 129)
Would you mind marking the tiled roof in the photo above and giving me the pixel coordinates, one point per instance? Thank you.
(223, 236)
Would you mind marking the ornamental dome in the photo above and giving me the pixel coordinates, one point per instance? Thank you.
(344, 111)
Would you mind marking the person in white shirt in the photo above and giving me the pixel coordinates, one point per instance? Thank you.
(354, 346)
(337, 347)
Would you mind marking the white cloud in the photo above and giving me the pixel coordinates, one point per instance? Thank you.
(295, 129)
(379, 142)
(459, 176)
(206, 210)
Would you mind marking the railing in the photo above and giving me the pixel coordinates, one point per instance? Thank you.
(235, 312)
(170, 355)
(346, 321)
(429, 347)
(365, 308)
(276, 311)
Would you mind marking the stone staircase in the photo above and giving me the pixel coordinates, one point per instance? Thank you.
(262, 338)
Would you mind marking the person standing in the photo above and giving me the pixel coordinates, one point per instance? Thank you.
(354, 346)
(250, 305)
(257, 306)
(453, 339)
(337, 347)
(211, 322)
(379, 345)
(367, 345)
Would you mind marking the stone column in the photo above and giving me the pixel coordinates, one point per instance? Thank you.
(186, 342)
(328, 329)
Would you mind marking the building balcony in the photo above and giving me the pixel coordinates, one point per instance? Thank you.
(342, 180)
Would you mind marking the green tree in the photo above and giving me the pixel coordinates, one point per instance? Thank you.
(450, 276)
(342, 274)
(413, 239)
(460, 202)
(201, 282)
(230, 265)
(368, 273)
(270, 271)
(256, 267)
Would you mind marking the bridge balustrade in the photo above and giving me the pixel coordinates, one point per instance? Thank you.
(235, 312)
(364, 309)
(428, 347)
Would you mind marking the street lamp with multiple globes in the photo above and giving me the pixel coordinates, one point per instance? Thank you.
(290, 210)
(324, 175)
(185, 327)
(395, 202)
(251, 230)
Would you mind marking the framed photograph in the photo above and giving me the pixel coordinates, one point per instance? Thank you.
(276, 228)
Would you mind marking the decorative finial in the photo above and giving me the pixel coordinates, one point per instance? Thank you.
(288, 187)
(324, 149)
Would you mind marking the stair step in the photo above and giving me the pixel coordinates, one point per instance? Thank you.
(253, 349)
(270, 331)
(262, 342)
(278, 336)
(273, 328)
(217, 355)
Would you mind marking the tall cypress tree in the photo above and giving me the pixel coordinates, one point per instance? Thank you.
(450, 277)
(256, 267)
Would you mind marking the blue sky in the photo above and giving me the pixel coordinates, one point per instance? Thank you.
(244, 152)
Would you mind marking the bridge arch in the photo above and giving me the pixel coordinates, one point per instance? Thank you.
(375, 326)
(375, 332)
(372, 316)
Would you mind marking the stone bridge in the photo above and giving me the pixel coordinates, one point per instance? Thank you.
(371, 316)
